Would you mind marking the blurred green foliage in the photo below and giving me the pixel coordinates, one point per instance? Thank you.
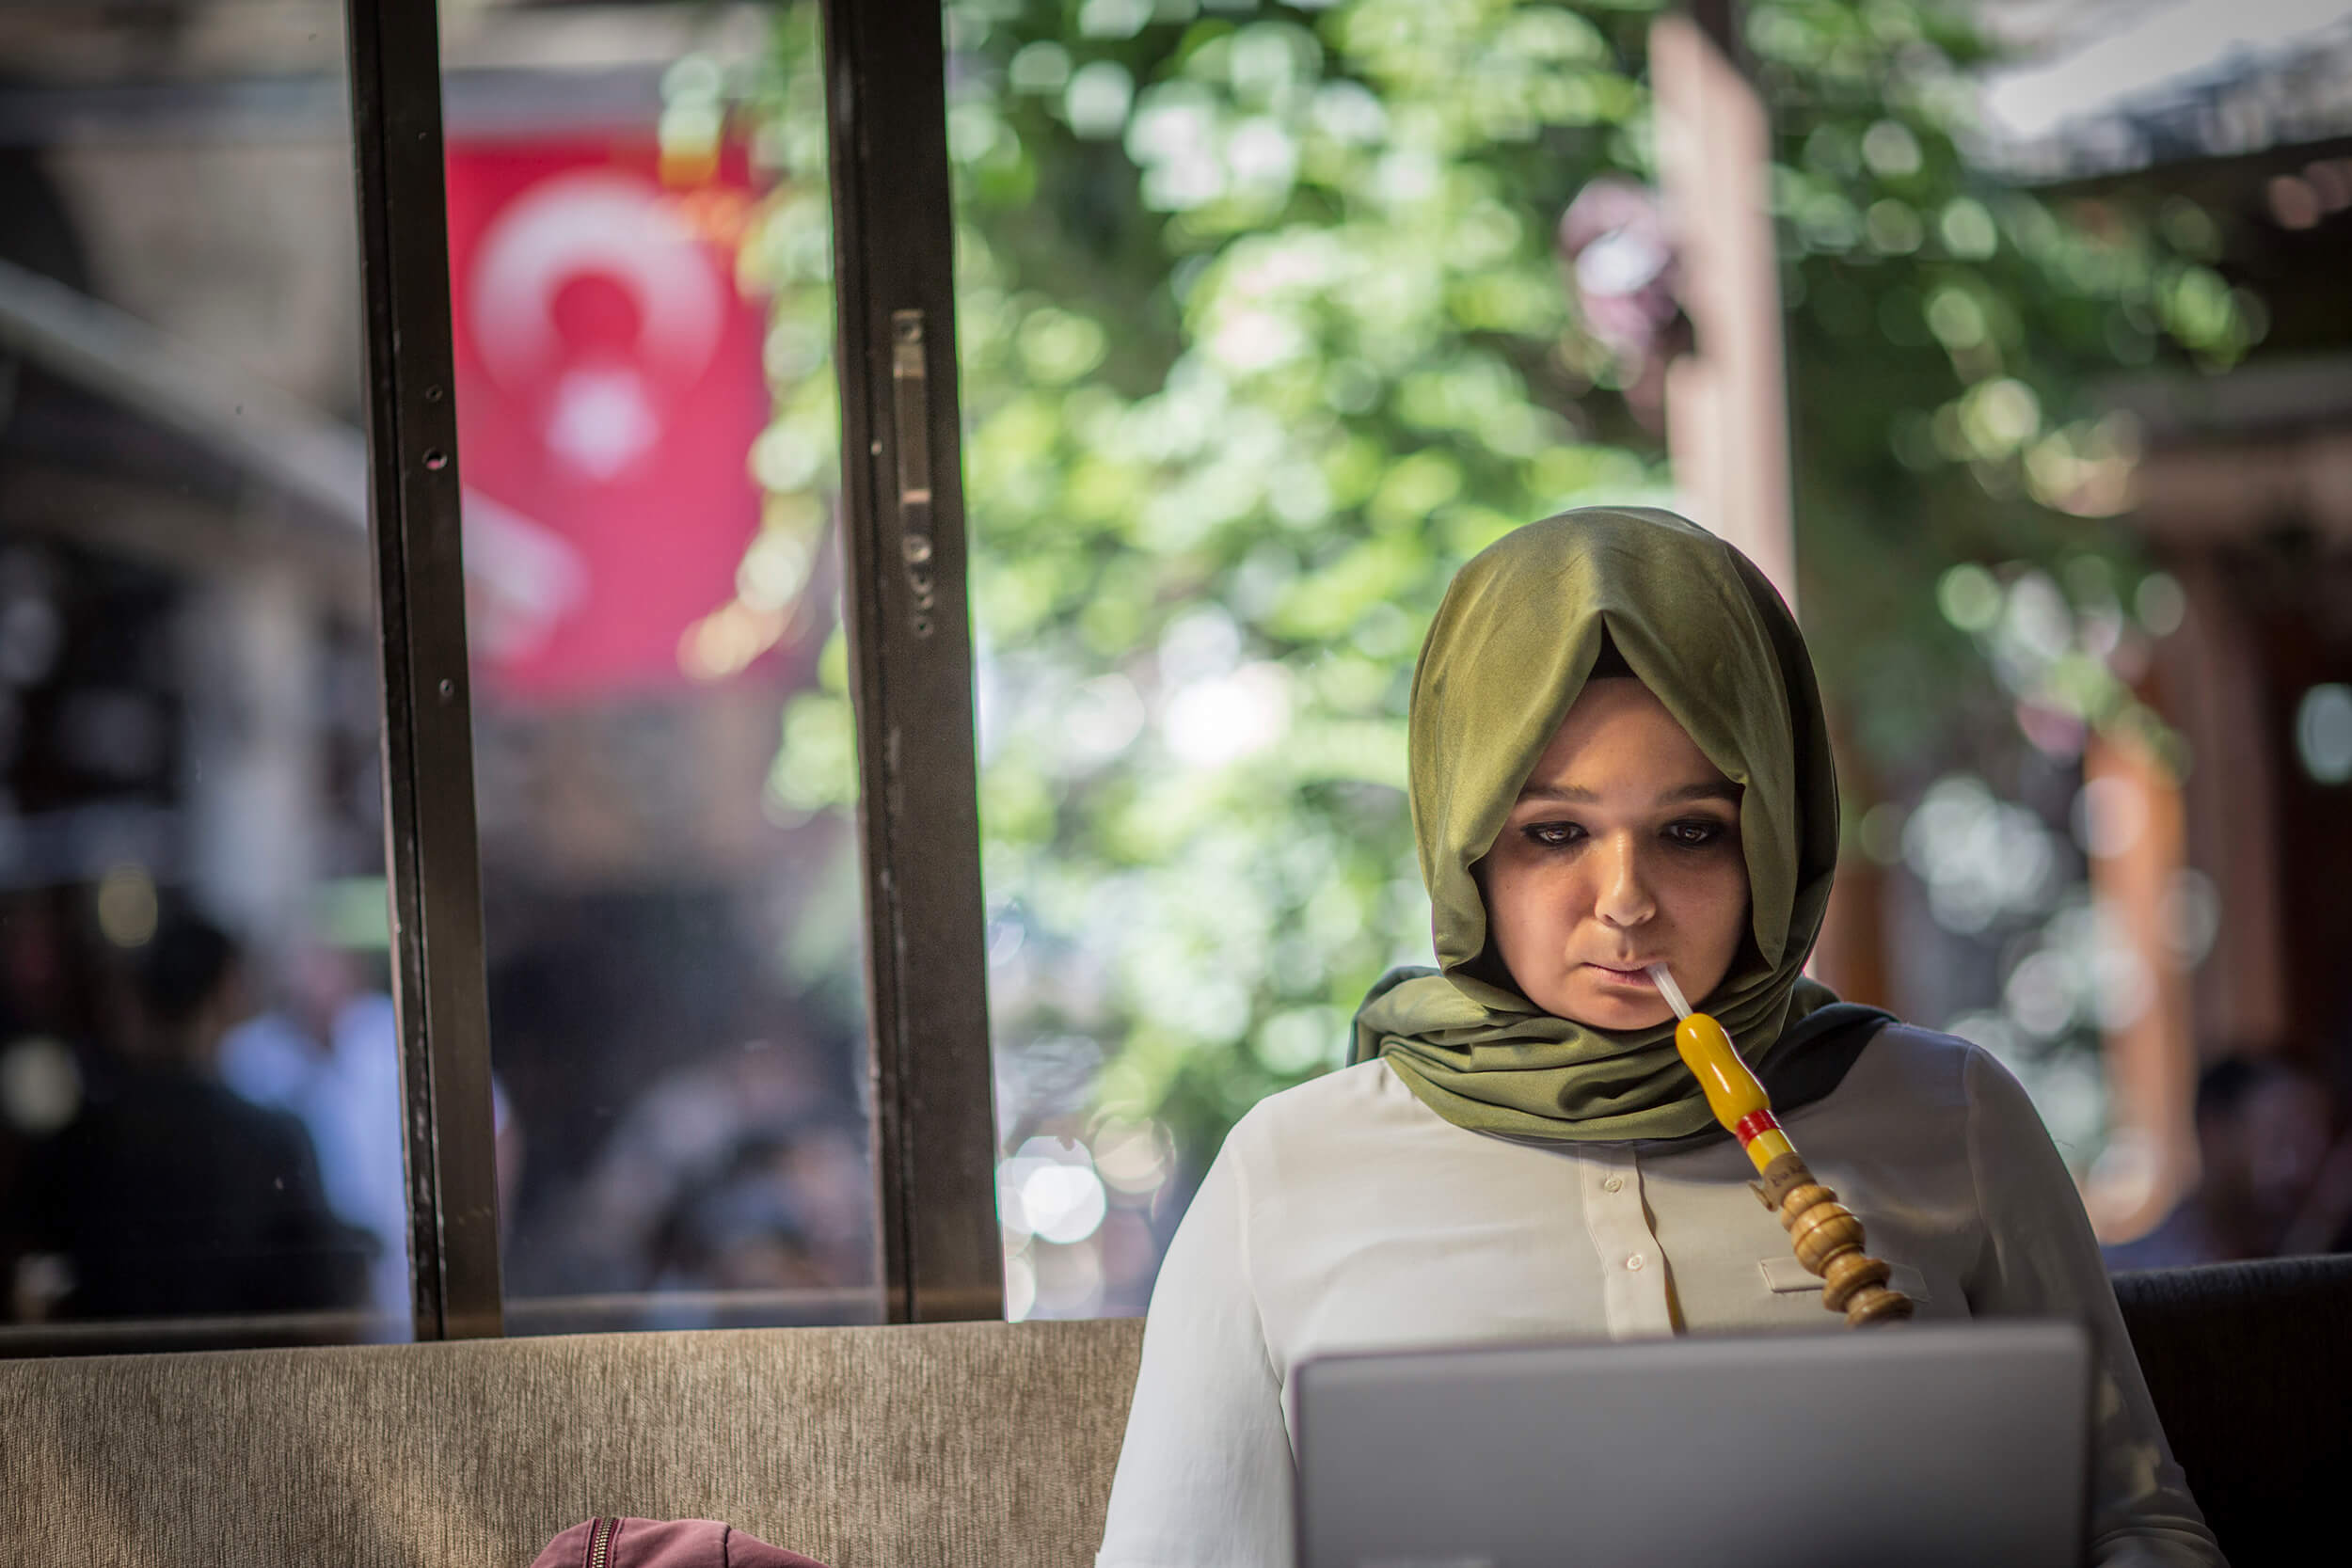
(1264, 329)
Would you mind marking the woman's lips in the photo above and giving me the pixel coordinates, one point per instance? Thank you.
(1636, 974)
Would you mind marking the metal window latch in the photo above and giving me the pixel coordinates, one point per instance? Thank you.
(911, 409)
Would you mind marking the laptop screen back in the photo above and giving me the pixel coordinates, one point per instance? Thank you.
(1927, 1444)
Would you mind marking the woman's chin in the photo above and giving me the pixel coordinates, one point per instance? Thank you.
(1597, 1008)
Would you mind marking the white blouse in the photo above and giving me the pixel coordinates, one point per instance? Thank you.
(1347, 1214)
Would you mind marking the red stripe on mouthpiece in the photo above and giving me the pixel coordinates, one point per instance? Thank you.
(1754, 1125)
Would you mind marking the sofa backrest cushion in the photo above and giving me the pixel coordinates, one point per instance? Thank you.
(968, 1445)
(2251, 1368)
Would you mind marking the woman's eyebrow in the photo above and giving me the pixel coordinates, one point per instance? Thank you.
(1710, 789)
(1559, 792)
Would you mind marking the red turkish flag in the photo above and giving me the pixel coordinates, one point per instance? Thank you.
(609, 392)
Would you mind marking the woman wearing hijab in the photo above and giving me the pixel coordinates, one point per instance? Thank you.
(1618, 759)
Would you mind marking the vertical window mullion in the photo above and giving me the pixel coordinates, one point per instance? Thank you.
(910, 660)
(431, 853)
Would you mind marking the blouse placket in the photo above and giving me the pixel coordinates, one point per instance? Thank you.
(1633, 1289)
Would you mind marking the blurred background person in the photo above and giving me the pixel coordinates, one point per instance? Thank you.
(329, 1054)
(2274, 1180)
(170, 1195)
(779, 1210)
(745, 1171)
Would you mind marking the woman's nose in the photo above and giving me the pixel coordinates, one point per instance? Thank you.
(1624, 897)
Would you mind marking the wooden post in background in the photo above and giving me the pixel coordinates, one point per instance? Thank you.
(2135, 857)
(1726, 401)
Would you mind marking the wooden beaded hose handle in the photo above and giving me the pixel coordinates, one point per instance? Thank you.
(1825, 1234)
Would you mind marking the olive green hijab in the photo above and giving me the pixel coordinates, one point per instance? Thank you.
(1510, 650)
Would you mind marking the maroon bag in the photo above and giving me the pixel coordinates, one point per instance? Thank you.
(664, 1543)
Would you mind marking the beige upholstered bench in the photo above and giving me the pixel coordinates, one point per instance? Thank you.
(975, 1445)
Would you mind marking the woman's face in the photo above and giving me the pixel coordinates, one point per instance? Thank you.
(1623, 851)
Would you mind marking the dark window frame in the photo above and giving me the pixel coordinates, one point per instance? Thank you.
(911, 662)
(431, 848)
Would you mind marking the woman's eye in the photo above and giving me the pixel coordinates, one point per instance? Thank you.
(1695, 834)
(1553, 835)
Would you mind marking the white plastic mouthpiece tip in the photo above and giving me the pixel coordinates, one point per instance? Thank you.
(1663, 980)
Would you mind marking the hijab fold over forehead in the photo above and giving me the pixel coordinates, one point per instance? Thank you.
(1508, 654)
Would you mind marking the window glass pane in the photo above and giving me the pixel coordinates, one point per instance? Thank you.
(643, 328)
(199, 1124)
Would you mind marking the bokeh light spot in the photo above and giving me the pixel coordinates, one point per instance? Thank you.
(2323, 733)
(126, 906)
(40, 1088)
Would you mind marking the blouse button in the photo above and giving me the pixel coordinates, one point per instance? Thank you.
(1615, 1184)
(1635, 1261)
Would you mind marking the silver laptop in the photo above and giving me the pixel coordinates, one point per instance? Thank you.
(1932, 1445)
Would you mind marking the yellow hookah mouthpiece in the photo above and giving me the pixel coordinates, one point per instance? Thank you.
(1733, 1094)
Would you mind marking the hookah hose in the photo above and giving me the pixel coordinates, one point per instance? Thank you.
(1825, 1234)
